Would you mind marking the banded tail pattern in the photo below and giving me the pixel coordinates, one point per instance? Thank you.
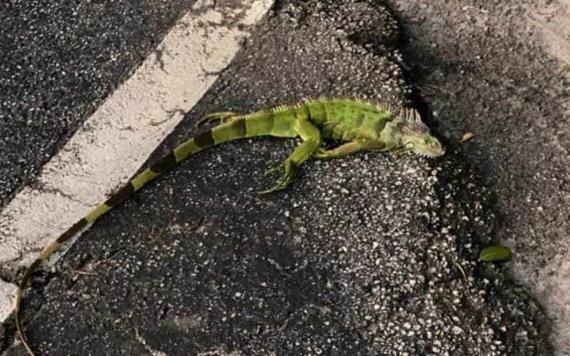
(230, 131)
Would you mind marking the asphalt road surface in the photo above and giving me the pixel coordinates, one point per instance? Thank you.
(371, 254)
(59, 60)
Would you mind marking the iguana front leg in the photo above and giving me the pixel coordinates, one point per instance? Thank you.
(350, 148)
(311, 137)
(342, 150)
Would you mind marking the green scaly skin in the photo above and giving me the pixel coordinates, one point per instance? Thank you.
(360, 125)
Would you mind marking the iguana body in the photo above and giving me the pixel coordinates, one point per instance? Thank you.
(360, 125)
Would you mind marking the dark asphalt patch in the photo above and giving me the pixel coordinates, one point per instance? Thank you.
(359, 256)
(58, 61)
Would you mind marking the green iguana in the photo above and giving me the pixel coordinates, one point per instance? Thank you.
(361, 125)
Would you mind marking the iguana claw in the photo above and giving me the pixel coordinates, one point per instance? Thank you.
(289, 169)
(272, 170)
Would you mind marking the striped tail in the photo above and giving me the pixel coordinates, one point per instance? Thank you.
(230, 131)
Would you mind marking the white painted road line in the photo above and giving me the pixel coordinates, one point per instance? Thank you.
(113, 143)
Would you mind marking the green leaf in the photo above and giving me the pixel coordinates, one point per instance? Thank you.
(495, 253)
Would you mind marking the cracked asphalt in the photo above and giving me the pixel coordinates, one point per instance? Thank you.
(372, 254)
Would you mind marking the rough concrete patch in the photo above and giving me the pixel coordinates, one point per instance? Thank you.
(116, 140)
(552, 283)
(552, 18)
(8, 289)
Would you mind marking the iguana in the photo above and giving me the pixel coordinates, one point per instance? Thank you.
(360, 125)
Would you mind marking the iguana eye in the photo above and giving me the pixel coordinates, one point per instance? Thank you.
(409, 145)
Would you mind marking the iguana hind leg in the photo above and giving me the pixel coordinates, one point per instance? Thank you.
(311, 137)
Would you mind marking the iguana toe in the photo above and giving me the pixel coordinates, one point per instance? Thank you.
(289, 169)
(272, 170)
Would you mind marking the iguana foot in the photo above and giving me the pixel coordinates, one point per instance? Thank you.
(272, 170)
(289, 168)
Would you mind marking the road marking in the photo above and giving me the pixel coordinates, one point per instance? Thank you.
(113, 143)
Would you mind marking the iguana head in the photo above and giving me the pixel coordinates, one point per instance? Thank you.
(413, 135)
(417, 138)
